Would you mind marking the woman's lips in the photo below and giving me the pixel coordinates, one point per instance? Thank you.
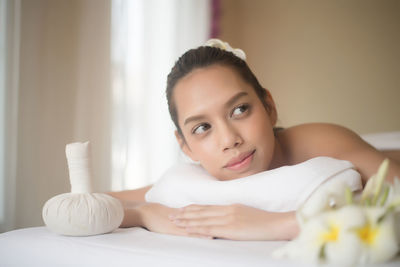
(241, 162)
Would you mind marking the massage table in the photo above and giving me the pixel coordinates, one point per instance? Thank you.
(136, 246)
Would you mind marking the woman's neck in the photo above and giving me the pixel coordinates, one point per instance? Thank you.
(278, 159)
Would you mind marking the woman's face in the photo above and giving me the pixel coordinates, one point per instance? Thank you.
(225, 125)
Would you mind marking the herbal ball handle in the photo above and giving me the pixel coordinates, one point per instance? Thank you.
(78, 157)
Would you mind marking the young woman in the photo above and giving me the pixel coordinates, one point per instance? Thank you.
(225, 121)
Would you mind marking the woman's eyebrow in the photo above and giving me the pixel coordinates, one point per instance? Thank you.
(234, 98)
(193, 118)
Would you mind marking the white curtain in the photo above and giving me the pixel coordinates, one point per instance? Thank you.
(9, 58)
(147, 37)
(55, 88)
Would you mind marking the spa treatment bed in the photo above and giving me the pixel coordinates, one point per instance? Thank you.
(130, 247)
(135, 247)
(38, 246)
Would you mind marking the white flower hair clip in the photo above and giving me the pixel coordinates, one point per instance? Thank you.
(225, 46)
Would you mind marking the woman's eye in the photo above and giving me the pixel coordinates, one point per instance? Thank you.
(240, 110)
(201, 128)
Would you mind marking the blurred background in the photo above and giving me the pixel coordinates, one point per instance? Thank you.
(79, 70)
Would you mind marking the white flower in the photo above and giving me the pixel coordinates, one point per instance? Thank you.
(338, 230)
(327, 236)
(377, 236)
(347, 236)
(225, 46)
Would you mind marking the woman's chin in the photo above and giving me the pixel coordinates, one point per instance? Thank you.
(232, 175)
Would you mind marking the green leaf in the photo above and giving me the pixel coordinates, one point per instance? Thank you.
(385, 195)
(349, 196)
(322, 252)
(368, 189)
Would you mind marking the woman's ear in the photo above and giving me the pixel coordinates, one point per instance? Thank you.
(185, 148)
(273, 114)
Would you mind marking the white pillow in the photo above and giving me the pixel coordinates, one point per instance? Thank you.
(282, 189)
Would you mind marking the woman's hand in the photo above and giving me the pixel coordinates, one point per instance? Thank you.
(238, 222)
(154, 217)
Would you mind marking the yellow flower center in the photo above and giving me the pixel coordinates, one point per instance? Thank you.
(331, 235)
(367, 234)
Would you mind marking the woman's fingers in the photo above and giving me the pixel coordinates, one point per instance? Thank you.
(234, 221)
(219, 231)
(199, 235)
(199, 211)
(207, 220)
(217, 220)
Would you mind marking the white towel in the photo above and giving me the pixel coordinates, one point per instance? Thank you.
(278, 190)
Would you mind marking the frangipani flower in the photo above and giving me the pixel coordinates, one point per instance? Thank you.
(329, 237)
(377, 236)
(349, 231)
(225, 46)
(347, 236)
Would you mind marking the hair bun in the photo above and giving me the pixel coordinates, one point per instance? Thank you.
(225, 46)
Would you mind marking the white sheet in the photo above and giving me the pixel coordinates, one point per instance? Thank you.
(134, 247)
(130, 247)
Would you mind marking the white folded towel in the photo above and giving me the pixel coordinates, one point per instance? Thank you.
(282, 189)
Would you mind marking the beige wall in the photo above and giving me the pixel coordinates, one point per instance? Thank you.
(63, 97)
(324, 61)
(334, 61)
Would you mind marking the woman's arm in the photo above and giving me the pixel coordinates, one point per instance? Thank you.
(392, 154)
(132, 201)
(365, 158)
(152, 216)
(136, 195)
(306, 141)
(237, 222)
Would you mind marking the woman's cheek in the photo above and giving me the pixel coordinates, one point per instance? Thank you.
(204, 148)
(255, 130)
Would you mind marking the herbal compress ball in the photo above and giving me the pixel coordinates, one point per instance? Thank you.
(81, 212)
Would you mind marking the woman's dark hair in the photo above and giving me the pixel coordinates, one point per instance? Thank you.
(202, 57)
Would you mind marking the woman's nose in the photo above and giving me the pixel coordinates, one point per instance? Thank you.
(229, 137)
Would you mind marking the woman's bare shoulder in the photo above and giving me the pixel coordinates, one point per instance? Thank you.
(310, 140)
(306, 141)
(317, 129)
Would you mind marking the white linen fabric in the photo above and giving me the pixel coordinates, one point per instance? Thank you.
(79, 167)
(282, 189)
(80, 214)
(136, 247)
(131, 247)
